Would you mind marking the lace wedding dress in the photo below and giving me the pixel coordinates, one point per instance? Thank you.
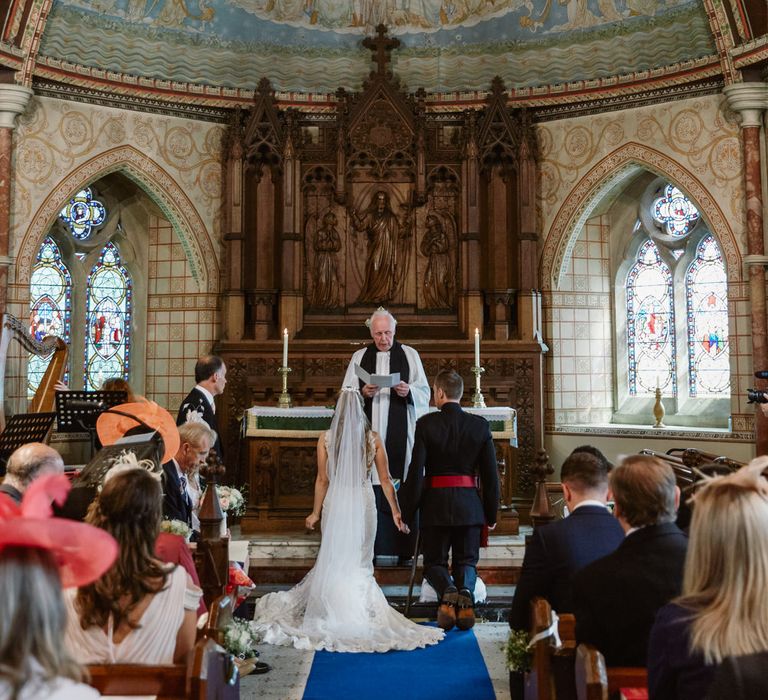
(338, 606)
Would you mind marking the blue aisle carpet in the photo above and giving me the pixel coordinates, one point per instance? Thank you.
(454, 669)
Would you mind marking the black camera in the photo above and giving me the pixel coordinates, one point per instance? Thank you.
(755, 395)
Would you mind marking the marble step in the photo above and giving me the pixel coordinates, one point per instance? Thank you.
(278, 571)
(305, 546)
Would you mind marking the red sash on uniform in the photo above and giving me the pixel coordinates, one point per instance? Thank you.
(447, 482)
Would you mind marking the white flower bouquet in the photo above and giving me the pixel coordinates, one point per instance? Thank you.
(231, 500)
(176, 527)
(240, 639)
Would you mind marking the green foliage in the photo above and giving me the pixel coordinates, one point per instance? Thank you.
(518, 654)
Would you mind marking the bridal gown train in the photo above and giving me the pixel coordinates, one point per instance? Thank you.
(338, 606)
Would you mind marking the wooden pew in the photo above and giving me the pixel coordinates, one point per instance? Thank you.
(594, 681)
(551, 675)
(209, 674)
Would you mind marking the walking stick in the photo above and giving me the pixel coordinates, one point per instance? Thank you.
(413, 572)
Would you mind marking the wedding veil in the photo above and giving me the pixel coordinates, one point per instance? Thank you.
(336, 599)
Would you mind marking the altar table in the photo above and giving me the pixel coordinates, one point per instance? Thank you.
(282, 464)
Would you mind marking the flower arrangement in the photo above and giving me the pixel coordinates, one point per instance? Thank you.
(240, 639)
(176, 527)
(231, 500)
(518, 652)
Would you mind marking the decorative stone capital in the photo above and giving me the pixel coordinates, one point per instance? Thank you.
(13, 101)
(760, 260)
(750, 100)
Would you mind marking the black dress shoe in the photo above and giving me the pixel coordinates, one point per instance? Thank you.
(261, 667)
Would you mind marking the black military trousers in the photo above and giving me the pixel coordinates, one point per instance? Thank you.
(462, 542)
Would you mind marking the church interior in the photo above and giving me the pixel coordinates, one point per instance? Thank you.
(579, 185)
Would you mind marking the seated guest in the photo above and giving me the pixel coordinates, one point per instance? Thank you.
(722, 611)
(196, 439)
(28, 463)
(616, 598)
(141, 610)
(38, 555)
(556, 551)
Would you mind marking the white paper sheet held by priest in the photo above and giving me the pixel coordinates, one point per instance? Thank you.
(385, 381)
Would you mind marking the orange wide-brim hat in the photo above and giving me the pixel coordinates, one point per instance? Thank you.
(113, 426)
(82, 552)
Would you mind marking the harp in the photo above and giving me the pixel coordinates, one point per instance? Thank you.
(50, 346)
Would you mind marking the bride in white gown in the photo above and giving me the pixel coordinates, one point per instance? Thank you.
(338, 606)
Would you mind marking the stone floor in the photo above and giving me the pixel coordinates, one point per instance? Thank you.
(290, 667)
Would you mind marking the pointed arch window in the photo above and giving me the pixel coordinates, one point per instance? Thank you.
(671, 316)
(706, 292)
(650, 324)
(50, 307)
(108, 320)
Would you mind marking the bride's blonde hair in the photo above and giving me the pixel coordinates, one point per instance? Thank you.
(725, 584)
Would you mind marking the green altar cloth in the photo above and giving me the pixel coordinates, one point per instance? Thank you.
(310, 421)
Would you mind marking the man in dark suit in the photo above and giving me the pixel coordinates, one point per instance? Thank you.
(451, 450)
(555, 552)
(196, 438)
(211, 378)
(616, 598)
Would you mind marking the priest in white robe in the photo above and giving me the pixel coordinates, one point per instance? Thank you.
(393, 413)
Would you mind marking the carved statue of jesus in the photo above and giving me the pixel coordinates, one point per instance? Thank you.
(383, 269)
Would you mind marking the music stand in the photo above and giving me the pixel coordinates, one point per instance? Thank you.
(21, 429)
(78, 411)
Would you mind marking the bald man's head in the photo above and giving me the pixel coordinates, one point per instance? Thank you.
(30, 462)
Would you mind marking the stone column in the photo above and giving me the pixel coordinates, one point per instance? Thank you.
(13, 101)
(750, 100)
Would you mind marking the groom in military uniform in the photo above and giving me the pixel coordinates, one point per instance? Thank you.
(454, 483)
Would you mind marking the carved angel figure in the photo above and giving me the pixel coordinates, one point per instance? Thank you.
(439, 278)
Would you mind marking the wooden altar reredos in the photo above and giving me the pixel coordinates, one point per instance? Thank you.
(380, 198)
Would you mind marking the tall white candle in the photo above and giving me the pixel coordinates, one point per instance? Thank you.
(477, 347)
(285, 347)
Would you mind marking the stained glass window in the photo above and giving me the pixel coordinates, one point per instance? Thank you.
(706, 292)
(675, 211)
(82, 213)
(50, 306)
(650, 324)
(108, 318)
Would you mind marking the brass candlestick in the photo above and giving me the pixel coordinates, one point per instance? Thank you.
(477, 398)
(658, 410)
(285, 398)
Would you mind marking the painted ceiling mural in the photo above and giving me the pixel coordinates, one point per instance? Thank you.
(315, 45)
